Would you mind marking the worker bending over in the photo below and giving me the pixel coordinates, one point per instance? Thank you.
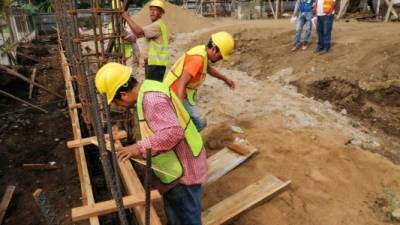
(189, 72)
(166, 129)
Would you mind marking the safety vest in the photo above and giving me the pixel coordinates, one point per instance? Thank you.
(177, 69)
(328, 6)
(168, 161)
(126, 45)
(158, 53)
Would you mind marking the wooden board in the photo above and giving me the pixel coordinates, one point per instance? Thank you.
(224, 161)
(89, 140)
(5, 201)
(102, 208)
(134, 187)
(243, 200)
(80, 158)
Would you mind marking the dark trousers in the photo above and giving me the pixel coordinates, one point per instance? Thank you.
(324, 30)
(154, 72)
(182, 205)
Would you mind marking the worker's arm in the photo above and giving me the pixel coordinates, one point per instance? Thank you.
(161, 117)
(181, 84)
(136, 29)
(215, 73)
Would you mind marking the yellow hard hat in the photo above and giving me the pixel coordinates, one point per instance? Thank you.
(158, 3)
(110, 78)
(224, 41)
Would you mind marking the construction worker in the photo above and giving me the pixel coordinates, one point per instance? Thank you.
(325, 16)
(128, 45)
(157, 38)
(166, 129)
(189, 72)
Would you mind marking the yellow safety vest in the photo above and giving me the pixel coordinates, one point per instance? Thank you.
(126, 45)
(177, 69)
(168, 161)
(158, 53)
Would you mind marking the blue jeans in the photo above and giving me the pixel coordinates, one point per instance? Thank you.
(304, 19)
(324, 29)
(182, 205)
(198, 119)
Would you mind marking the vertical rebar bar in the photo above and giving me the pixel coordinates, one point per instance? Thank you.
(98, 128)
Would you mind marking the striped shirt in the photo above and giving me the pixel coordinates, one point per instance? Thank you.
(169, 135)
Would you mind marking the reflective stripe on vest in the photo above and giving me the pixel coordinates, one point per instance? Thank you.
(158, 53)
(168, 161)
(177, 69)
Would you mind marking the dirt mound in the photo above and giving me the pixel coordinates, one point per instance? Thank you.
(177, 19)
(377, 107)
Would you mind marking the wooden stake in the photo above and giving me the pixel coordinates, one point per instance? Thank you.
(33, 75)
(23, 101)
(6, 201)
(22, 77)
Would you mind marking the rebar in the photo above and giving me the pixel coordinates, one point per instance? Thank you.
(112, 179)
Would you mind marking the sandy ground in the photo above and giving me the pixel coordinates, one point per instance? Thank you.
(316, 144)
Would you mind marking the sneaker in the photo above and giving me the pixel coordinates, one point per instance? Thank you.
(295, 48)
(317, 50)
(304, 47)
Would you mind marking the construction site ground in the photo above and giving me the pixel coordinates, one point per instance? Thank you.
(329, 123)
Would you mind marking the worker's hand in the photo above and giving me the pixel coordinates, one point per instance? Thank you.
(230, 83)
(130, 151)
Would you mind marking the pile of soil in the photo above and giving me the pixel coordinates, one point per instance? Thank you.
(177, 19)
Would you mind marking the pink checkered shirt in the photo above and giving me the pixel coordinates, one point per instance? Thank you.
(169, 135)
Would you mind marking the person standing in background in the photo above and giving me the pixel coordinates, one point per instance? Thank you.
(325, 12)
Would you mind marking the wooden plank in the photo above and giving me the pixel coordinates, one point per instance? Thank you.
(90, 140)
(80, 158)
(134, 187)
(106, 207)
(5, 201)
(39, 166)
(243, 200)
(224, 161)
